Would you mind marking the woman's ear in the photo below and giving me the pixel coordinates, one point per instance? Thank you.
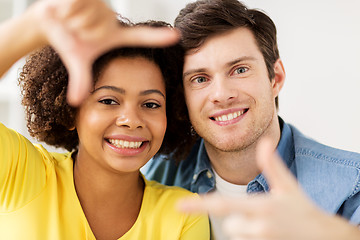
(279, 79)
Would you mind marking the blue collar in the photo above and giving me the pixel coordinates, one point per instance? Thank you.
(258, 184)
(202, 162)
(285, 149)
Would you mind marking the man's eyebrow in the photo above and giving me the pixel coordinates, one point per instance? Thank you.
(193, 71)
(240, 59)
(228, 64)
(122, 91)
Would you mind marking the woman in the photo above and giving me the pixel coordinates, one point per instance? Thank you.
(96, 190)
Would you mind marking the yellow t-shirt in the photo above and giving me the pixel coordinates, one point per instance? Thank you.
(38, 200)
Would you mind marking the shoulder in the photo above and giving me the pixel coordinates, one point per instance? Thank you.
(161, 191)
(25, 169)
(165, 170)
(309, 148)
(164, 199)
(161, 200)
(19, 146)
(330, 176)
(56, 158)
(161, 219)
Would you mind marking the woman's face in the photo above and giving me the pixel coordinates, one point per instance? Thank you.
(121, 125)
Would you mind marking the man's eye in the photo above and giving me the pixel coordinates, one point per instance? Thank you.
(199, 80)
(241, 70)
(152, 105)
(108, 102)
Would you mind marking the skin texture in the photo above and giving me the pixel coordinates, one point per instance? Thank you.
(236, 81)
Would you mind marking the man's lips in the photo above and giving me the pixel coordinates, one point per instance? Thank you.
(228, 115)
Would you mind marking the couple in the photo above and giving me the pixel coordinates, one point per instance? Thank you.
(231, 100)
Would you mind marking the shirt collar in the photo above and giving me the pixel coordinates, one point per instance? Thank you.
(202, 162)
(285, 149)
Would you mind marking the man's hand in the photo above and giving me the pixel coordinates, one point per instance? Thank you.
(283, 214)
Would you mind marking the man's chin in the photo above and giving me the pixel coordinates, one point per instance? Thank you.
(227, 146)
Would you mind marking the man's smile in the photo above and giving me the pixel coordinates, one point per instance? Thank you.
(228, 115)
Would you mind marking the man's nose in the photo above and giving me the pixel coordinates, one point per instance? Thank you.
(222, 91)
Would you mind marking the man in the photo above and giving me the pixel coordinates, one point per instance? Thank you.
(232, 77)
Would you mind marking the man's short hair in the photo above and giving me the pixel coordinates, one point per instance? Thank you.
(205, 18)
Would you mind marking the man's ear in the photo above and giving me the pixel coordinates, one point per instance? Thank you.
(279, 79)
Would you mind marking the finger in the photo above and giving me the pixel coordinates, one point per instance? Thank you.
(274, 169)
(68, 8)
(147, 36)
(236, 226)
(78, 67)
(80, 82)
(221, 206)
(193, 205)
(211, 203)
(87, 18)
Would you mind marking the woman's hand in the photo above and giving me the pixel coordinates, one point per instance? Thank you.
(80, 31)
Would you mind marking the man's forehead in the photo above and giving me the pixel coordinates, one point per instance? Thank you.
(223, 48)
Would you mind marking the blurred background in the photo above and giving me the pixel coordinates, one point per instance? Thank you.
(319, 43)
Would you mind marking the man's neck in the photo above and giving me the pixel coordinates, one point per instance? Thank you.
(235, 167)
(240, 167)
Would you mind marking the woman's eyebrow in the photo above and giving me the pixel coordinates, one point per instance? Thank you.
(122, 91)
(150, 91)
(113, 88)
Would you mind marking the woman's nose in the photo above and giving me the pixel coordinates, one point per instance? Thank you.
(130, 119)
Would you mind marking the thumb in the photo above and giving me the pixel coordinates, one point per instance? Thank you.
(277, 174)
(80, 79)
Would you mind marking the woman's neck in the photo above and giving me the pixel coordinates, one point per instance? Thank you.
(111, 202)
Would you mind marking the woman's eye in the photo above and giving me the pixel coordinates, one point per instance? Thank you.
(152, 105)
(108, 102)
(241, 70)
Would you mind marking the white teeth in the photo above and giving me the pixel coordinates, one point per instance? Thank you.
(124, 144)
(229, 116)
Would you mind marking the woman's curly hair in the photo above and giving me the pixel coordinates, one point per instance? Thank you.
(50, 119)
(43, 82)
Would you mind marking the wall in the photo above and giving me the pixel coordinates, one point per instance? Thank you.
(319, 43)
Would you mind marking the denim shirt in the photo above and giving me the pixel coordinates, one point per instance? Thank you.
(329, 176)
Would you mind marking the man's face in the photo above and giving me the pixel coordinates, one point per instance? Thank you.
(230, 98)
